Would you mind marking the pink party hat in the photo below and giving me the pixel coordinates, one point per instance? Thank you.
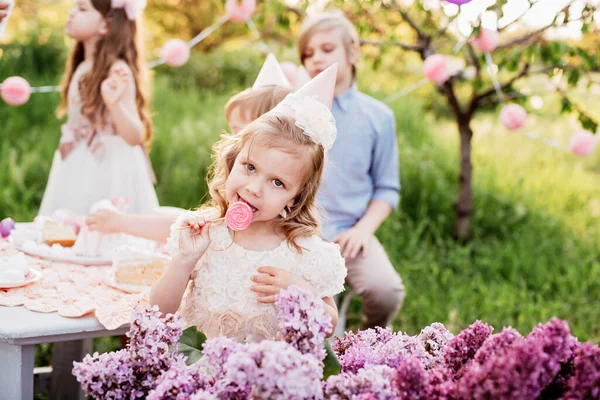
(302, 77)
(271, 74)
(321, 87)
(310, 106)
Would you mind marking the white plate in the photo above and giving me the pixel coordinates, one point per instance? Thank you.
(35, 276)
(66, 258)
(109, 279)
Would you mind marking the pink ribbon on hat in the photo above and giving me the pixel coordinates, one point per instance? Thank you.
(132, 7)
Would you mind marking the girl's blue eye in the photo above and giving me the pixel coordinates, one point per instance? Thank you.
(250, 167)
(277, 183)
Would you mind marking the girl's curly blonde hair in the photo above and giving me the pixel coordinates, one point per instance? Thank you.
(280, 132)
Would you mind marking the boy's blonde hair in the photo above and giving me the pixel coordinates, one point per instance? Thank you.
(326, 21)
(256, 102)
(280, 132)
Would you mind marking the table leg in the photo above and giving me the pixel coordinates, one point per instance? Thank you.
(16, 378)
(63, 385)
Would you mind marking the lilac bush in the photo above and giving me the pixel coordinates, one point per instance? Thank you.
(132, 372)
(547, 364)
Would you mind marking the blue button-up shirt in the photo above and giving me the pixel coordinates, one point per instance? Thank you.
(363, 163)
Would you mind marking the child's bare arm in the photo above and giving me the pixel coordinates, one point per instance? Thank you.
(152, 227)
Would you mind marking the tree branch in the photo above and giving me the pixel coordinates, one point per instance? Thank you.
(406, 18)
(411, 47)
(448, 89)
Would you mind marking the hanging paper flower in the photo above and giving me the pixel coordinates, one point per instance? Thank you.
(15, 91)
(240, 11)
(175, 52)
(583, 143)
(513, 116)
(487, 41)
(436, 68)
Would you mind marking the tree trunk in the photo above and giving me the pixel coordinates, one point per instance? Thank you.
(464, 204)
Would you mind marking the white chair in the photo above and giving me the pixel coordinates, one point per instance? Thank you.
(340, 329)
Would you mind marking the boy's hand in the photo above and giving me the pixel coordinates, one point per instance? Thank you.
(352, 242)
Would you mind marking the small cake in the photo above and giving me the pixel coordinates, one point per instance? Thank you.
(132, 266)
(55, 233)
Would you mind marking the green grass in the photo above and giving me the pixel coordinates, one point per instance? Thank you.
(534, 252)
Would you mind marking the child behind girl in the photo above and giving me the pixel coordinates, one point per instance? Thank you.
(268, 90)
(227, 283)
(102, 149)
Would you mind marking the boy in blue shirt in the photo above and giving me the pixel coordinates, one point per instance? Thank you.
(361, 184)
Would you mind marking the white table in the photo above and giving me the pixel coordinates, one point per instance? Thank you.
(21, 330)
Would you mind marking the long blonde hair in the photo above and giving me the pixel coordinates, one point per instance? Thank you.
(121, 42)
(276, 131)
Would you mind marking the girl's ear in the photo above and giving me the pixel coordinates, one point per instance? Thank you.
(103, 28)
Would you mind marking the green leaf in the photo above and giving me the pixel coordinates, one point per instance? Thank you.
(190, 344)
(565, 106)
(574, 76)
(587, 123)
(331, 363)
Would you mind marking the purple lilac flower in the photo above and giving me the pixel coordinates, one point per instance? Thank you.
(440, 384)
(464, 346)
(585, 382)
(106, 375)
(274, 370)
(376, 382)
(412, 380)
(523, 370)
(178, 383)
(203, 395)
(216, 351)
(434, 339)
(302, 321)
(133, 371)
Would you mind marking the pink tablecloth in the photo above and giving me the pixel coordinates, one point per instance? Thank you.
(72, 291)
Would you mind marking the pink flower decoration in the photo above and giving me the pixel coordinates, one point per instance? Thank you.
(175, 52)
(290, 71)
(133, 8)
(15, 91)
(238, 216)
(240, 11)
(436, 68)
(513, 116)
(583, 143)
(487, 40)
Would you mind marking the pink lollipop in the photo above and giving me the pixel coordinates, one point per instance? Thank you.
(15, 91)
(238, 216)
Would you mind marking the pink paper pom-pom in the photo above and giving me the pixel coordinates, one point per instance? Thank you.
(436, 68)
(240, 11)
(583, 143)
(175, 52)
(15, 91)
(487, 40)
(239, 216)
(513, 116)
(459, 2)
(290, 71)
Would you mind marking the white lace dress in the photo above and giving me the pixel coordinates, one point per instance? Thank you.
(218, 299)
